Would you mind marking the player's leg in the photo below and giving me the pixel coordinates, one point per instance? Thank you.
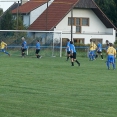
(93, 55)
(7, 53)
(113, 63)
(74, 56)
(23, 52)
(100, 53)
(72, 60)
(68, 55)
(90, 55)
(108, 62)
(37, 51)
(3, 50)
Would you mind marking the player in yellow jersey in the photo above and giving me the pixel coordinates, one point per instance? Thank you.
(3, 45)
(111, 52)
(92, 50)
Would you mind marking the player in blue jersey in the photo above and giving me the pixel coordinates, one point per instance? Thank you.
(37, 49)
(68, 49)
(73, 54)
(24, 46)
(99, 50)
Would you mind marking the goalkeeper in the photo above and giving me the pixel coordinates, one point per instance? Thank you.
(3, 45)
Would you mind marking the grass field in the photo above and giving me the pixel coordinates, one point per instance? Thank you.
(51, 87)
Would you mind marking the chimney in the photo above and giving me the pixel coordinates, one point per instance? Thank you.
(24, 1)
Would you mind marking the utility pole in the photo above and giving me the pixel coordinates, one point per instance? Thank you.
(17, 14)
(72, 24)
(47, 16)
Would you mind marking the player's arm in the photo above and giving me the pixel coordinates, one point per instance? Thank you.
(71, 52)
(115, 53)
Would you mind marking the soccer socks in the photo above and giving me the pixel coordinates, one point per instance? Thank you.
(23, 54)
(67, 58)
(72, 63)
(102, 56)
(38, 56)
(77, 62)
(96, 56)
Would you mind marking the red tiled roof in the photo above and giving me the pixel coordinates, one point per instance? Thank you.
(53, 15)
(29, 6)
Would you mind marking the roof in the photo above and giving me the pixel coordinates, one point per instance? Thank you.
(53, 15)
(59, 9)
(29, 6)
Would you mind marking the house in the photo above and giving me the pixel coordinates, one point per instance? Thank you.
(31, 10)
(88, 21)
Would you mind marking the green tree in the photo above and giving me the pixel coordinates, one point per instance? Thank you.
(18, 23)
(1, 11)
(109, 7)
(7, 21)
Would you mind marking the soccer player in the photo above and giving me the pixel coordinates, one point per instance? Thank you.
(3, 45)
(107, 44)
(68, 49)
(99, 50)
(24, 46)
(111, 52)
(92, 50)
(37, 49)
(73, 54)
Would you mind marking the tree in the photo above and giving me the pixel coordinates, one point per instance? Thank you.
(18, 23)
(1, 11)
(109, 7)
(7, 21)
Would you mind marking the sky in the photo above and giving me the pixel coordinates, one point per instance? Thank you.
(5, 4)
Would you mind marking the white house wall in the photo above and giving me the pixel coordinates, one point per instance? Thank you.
(95, 30)
(26, 20)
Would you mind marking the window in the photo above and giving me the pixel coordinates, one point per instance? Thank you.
(85, 21)
(69, 21)
(78, 22)
(78, 29)
(78, 41)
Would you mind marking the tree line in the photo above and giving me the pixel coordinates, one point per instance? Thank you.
(109, 7)
(7, 22)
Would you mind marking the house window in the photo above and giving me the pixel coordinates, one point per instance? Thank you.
(78, 22)
(85, 21)
(78, 29)
(78, 41)
(69, 21)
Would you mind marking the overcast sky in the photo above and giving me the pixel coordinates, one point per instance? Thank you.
(5, 4)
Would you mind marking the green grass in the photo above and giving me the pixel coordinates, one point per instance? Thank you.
(51, 87)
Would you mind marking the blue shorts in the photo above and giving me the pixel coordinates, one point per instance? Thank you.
(92, 52)
(111, 59)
